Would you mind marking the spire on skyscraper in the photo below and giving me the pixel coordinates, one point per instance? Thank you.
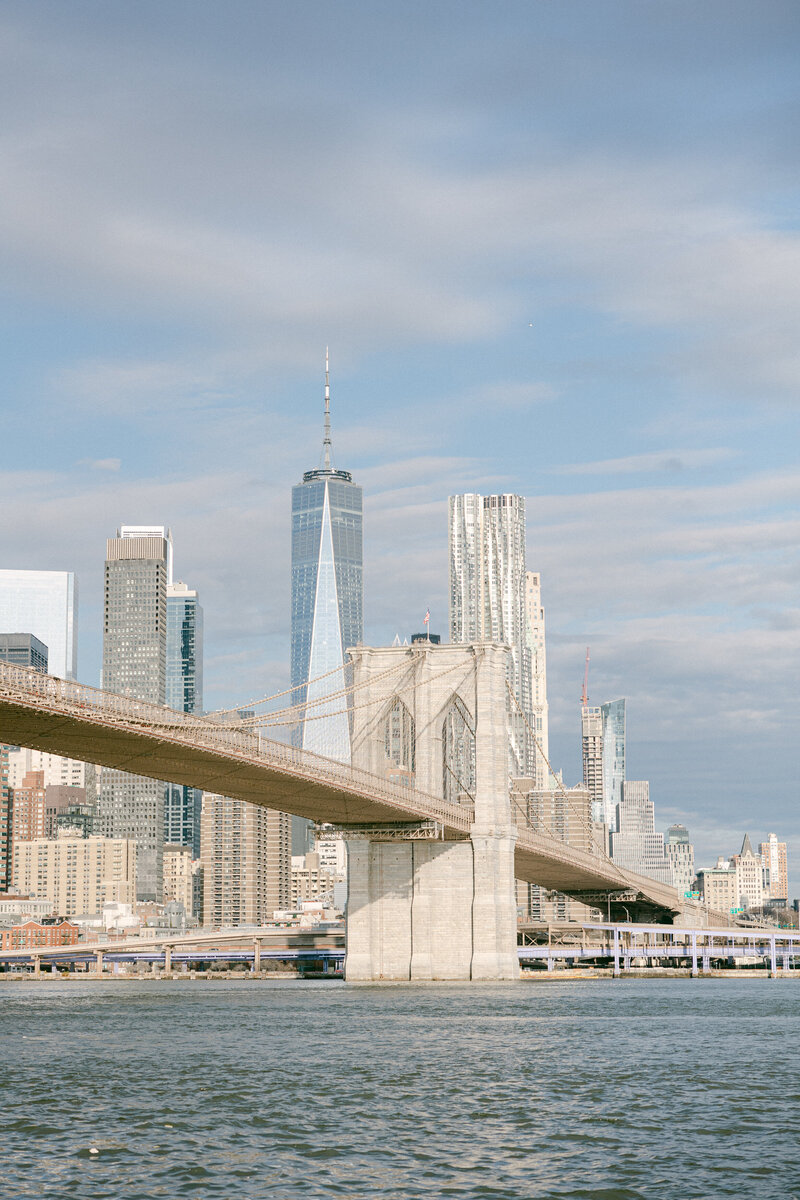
(326, 441)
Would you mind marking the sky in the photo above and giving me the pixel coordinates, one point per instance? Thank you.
(553, 249)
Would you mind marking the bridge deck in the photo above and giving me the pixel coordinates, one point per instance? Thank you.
(61, 717)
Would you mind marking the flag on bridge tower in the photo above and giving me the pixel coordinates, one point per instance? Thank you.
(426, 621)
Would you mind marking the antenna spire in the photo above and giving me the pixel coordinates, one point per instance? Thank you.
(326, 441)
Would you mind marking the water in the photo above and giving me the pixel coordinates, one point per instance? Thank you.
(610, 1089)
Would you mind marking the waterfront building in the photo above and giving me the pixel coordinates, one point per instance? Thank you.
(184, 692)
(718, 886)
(134, 664)
(44, 603)
(634, 842)
(246, 855)
(23, 650)
(77, 875)
(680, 856)
(773, 855)
(327, 597)
(749, 868)
(488, 600)
(178, 879)
(535, 636)
(32, 935)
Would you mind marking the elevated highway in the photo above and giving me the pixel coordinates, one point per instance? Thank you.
(85, 723)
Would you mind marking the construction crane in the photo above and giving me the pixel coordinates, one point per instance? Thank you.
(585, 693)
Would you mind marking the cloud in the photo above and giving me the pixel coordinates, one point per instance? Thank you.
(666, 461)
(101, 464)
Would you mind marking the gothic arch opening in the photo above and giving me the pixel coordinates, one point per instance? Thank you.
(458, 754)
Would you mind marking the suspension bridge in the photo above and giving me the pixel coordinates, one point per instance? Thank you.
(230, 755)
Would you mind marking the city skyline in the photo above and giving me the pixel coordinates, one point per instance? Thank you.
(575, 285)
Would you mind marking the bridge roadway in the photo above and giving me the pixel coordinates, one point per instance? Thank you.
(61, 717)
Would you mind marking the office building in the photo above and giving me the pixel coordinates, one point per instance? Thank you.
(77, 875)
(535, 634)
(185, 694)
(23, 650)
(776, 881)
(634, 842)
(134, 664)
(488, 600)
(67, 772)
(327, 597)
(246, 858)
(78, 817)
(45, 604)
(680, 856)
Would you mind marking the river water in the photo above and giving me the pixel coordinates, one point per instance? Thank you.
(606, 1089)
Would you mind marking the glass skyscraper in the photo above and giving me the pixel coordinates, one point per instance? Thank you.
(327, 598)
(613, 717)
(182, 805)
(44, 603)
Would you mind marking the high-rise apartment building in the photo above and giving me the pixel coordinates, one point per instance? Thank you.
(178, 878)
(185, 693)
(488, 599)
(76, 874)
(773, 855)
(566, 815)
(24, 650)
(613, 716)
(134, 664)
(327, 597)
(67, 772)
(680, 856)
(45, 604)
(592, 753)
(246, 859)
(535, 633)
(635, 843)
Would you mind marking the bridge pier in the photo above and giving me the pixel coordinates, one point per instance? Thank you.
(427, 910)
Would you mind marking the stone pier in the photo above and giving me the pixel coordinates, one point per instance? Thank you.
(420, 907)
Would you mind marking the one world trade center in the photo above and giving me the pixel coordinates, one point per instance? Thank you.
(327, 598)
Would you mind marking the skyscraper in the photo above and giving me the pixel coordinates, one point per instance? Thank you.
(23, 649)
(488, 598)
(327, 597)
(613, 718)
(184, 693)
(536, 644)
(134, 664)
(680, 855)
(44, 603)
(773, 855)
(635, 843)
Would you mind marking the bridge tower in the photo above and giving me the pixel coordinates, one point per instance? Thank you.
(420, 907)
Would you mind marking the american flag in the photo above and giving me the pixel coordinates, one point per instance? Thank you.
(427, 617)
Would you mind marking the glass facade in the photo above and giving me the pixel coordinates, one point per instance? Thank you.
(23, 649)
(327, 603)
(44, 603)
(184, 692)
(613, 718)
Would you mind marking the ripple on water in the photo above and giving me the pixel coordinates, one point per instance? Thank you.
(631, 1090)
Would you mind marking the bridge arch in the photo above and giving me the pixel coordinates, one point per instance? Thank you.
(400, 739)
(459, 759)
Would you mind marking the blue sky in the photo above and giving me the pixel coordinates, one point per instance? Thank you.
(554, 250)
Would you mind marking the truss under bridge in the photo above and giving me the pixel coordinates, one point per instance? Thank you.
(85, 723)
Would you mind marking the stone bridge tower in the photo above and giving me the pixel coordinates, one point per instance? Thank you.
(433, 717)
